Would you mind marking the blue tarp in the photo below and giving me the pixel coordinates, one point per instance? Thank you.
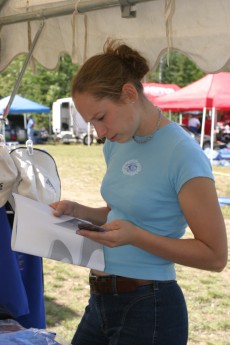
(219, 157)
(22, 105)
(21, 277)
(224, 200)
(28, 337)
(12, 290)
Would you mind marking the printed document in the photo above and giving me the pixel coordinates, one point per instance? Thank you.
(38, 232)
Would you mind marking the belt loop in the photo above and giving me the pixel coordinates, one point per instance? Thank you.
(114, 285)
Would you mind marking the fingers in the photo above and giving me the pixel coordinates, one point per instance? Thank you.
(57, 212)
(59, 208)
(103, 238)
(54, 204)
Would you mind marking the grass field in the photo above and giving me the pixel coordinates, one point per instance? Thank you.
(66, 288)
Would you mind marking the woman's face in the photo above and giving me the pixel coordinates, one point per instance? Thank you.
(115, 121)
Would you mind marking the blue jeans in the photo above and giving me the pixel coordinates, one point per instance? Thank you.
(153, 314)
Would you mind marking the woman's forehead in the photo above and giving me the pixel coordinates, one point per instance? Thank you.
(89, 106)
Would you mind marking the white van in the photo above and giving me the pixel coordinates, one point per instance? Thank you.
(68, 124)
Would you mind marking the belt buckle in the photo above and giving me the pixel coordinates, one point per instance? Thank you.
(92, 279)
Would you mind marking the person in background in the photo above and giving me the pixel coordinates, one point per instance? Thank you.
(194, 124)
(30, 128)
(152, 190)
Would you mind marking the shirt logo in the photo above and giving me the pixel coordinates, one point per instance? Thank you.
(131, 167)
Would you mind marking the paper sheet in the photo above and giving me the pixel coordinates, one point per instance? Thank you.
(37, 232)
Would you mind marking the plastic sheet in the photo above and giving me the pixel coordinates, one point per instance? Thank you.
(12, 334)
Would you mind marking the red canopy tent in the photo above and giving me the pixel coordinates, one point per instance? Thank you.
(213, 90)
(153, 90)
(210, 92)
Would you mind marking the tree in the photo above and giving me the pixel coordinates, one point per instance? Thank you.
(180, 70)
(39, 84)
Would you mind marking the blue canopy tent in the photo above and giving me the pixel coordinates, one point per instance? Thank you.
(22, 105)
(19, 106)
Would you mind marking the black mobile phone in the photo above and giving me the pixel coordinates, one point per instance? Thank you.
(90, 226)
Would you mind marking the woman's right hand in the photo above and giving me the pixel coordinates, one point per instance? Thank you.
(64, 207)
(97, 215)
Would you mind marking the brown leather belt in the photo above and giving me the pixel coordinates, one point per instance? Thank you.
(115, 284)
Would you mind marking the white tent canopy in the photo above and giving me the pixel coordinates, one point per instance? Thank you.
(199, 28)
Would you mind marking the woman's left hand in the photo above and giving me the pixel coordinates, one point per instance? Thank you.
(118, 233)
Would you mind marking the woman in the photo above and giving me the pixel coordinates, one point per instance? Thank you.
(153, 190)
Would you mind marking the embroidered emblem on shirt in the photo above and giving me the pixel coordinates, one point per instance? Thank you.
(131, 167)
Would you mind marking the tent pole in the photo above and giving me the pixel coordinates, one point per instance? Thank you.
(170, 115)
(203, 127)
(212, 131)
(56, 11)
(88, 132)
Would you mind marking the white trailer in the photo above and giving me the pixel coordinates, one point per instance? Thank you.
(68, 124)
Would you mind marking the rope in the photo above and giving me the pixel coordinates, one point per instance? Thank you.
(29, 31)
(168, 14)
(75, 47)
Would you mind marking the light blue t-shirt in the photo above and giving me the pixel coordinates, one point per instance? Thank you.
(141, 186)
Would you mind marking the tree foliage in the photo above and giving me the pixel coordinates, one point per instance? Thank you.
(38, 84)
(176, 69)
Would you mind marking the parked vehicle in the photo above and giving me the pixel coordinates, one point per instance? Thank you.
(41, 136)
(15, 131)
(207, 138)
(68, 124)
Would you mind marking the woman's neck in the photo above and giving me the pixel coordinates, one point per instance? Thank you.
(149, 118)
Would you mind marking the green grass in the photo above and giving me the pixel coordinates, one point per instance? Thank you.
(81, 169)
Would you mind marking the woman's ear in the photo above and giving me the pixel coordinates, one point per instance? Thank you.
(129, 93)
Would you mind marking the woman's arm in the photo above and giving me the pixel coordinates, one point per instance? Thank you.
(207, 250)
(97, 216)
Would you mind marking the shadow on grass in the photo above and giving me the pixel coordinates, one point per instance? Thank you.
(56, 312)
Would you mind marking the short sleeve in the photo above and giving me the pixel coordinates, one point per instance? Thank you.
(189, 162)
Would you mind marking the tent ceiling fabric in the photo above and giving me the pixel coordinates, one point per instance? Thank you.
(199, 29)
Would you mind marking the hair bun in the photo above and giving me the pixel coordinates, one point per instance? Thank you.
(131, 58)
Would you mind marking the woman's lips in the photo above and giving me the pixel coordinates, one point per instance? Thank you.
(113, 138)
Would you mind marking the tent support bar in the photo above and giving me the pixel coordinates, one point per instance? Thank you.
(18, 82)
(203, 127)
(69, 8)
(213, 131)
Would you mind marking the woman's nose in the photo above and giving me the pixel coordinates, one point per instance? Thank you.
(100, 129)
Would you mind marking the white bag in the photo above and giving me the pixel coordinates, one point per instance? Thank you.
(8, 174)
(38, 177)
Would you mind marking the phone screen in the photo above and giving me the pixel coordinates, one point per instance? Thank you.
(90, 226)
